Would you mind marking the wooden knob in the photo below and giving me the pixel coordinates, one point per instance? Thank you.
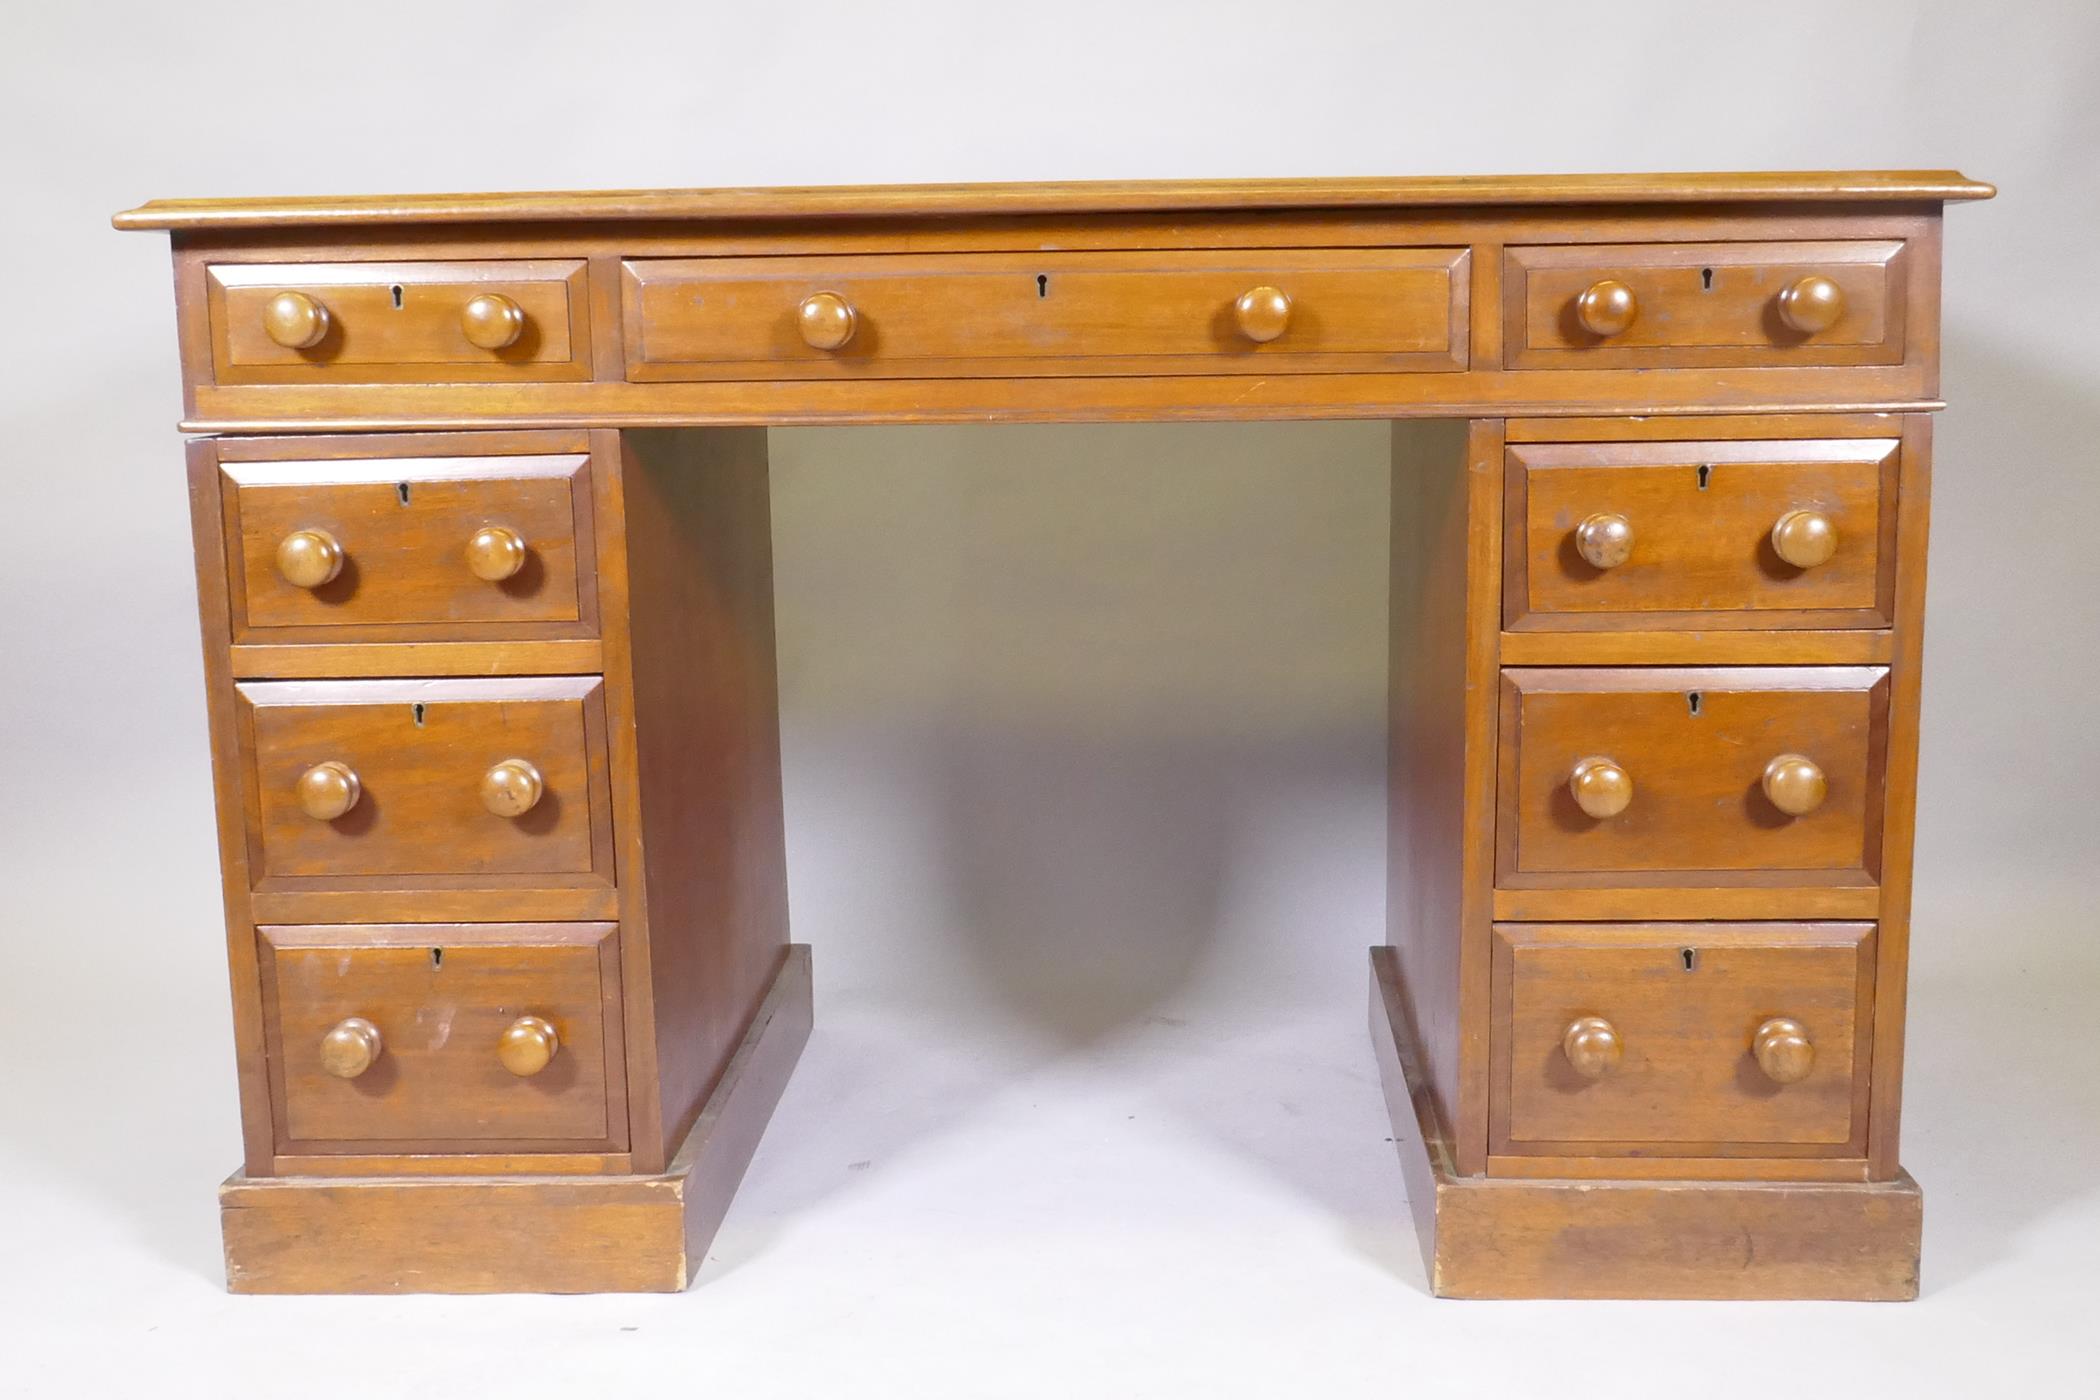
(512, 788)
(492, 321)
(1263, 313)
(827, 320)
(1606, 308)
(309, 558)
(527, 1046)
(1794, 784)
(1604, 540)
(1783, 1051)
(1812, 304)
(1601, 787)
(295, 320)
(351, 1048)
(1592, 1046)
(495, 553)
(328, 790)
(1804, 538)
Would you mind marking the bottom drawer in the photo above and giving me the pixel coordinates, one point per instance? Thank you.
(444, 1037)
(1681, 1040)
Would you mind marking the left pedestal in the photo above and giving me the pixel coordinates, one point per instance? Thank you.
(496, 746)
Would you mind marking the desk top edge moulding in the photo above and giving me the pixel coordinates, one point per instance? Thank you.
(479, 492)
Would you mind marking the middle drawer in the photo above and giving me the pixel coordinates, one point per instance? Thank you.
(427, 782)
(1641, 771)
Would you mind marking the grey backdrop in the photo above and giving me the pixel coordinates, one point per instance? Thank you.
(1083, 725)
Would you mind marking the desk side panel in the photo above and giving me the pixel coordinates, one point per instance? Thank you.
(705, 746)
(1445, 564)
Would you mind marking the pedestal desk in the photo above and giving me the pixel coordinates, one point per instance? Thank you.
(479, 486)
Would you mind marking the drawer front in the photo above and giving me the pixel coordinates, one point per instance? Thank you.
(1046, 313)
(1633, 305)
(408, 322)
(438, 782)
(1681, 1040)
(1631, 770)
(410, 547)
(444, 1034)
(1702, 535)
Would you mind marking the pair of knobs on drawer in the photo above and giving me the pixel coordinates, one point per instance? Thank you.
(1792, 783)
(827, 320)
(298, 321)
(354, 1045)
(329, 790)
(313, 558)
(1780, 1046)
(1810, 306)
(1801, 538)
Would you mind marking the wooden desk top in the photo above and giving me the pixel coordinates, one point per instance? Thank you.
(1075, 197)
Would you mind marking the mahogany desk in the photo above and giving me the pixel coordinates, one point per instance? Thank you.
(484, 565)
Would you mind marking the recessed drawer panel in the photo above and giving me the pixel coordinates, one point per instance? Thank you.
(1637, 305)
(1261, 311)
(1776, 770)
(410, 547)
(399, 323)
(444, 1036)
(427, 781)
(1702, 535)
(1681, 1040)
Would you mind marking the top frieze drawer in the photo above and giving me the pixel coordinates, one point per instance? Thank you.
(1705, 305)
(990, 315)
(399, 323)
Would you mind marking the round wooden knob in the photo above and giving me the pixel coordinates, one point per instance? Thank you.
(1592, 1046)
(1263, 313)
(495, 553)
(309, 558)
(827, 320)
(1601, 787)
(1604, 540)
(295, 320)
(1794, 784)
(1804, 538)
(1606, 308)
(1812, 304)
(512, 788)
(328, 790)
(492, 321)
(527, 1046)
(351, 1048)
(1783, 1050)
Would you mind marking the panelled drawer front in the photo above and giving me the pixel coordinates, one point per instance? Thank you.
(406, 322)
(426, 1010)
(1646, 1039)
(1689, 535)
(410, 547)
(416, 772)
(1704, 762)
(1644, 305)
(1047, 314)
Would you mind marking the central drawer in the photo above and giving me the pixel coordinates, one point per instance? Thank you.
(1258, 311)
(1770, 772)
(444, 1035)
(427, 782)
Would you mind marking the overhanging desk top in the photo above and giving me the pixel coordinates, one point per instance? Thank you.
(484, 566)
